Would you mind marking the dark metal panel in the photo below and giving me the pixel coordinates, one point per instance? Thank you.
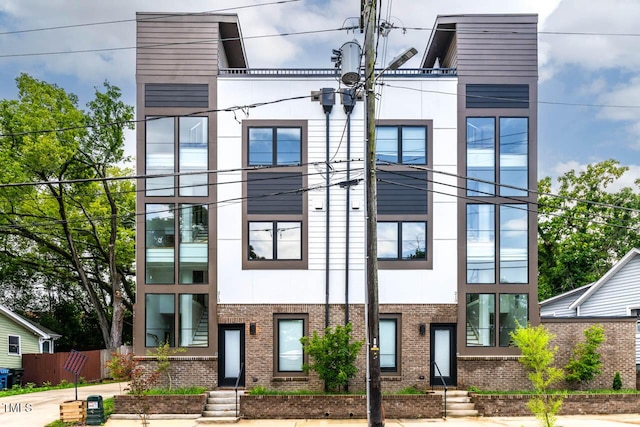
(497, 96)
(402, 193)
(176, 95)
(274, 193)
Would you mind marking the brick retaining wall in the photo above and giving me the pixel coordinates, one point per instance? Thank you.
(573, 404)
(160, 404)
(338, 406)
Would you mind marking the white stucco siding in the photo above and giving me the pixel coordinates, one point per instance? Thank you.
(615, 296)
(235, 285)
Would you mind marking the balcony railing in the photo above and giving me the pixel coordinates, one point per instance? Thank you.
(332, 72)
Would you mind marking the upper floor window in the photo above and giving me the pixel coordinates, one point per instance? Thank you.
(402, 240)
(275, 240)
(401, 144)
(275, 146)
(160, 243)
(510, 154)
(14, 345)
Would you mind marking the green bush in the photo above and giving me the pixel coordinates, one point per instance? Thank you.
(617, 381)
(585, 362)
(333, 356)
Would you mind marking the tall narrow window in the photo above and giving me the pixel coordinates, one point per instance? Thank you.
(514, 231)
(481, 243)
(160, 317)
(289, 352)
(514, 311)
(514, 159)
(481, 156)
(193, 155)
(159, 158)
(389, 343)
(194, 248)
(160, 243)
(194, 320)
(481, 320)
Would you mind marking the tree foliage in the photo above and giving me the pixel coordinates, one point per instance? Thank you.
(69, 226)
(585, 363)
(538, 358)
(333, 356)
(578, 242)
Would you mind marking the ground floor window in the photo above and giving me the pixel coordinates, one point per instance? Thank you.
(160, 317)
(14, 345)
(289, 354)
(389, 343)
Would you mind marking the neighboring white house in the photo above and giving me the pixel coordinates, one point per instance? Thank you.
(616, 294)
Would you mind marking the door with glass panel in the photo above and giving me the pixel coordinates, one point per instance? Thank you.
(231, 355)
(443, 354)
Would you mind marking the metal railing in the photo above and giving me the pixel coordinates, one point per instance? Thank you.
(444, 384)
(331, 72)
(236, 386)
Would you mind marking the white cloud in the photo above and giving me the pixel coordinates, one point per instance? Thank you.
(626, 180)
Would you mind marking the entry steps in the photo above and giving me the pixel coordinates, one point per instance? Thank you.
(459, 404)
(220, 407)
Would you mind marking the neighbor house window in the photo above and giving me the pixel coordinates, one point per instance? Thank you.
(275, 240)
(481, 320)
(14, 345)
(389, 343)
(405, 145)
(402, 240)
(289, 354)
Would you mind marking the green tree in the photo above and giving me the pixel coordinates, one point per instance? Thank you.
(538, 358)
(585, 363)
(72, 226)
(578, 241)
(333, 356)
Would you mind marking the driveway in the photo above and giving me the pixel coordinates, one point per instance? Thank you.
(41, 408)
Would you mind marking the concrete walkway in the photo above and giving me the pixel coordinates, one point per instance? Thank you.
(566, 421)
(42, 408)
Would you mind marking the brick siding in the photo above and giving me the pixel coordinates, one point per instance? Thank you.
(160, 404)
(573, 404)
(185, 371)
(338, 407)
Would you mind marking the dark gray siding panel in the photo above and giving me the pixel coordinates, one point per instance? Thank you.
(274, 193)
(402, 193)
(176, 95)
(497, 96)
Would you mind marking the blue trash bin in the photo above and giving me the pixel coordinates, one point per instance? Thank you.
(4, 378)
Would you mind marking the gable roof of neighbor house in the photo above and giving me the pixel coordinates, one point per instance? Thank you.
(34, 327)
(607, 276)
(575, 293)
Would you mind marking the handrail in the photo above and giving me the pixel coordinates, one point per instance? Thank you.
(444, 383)
(236, 387)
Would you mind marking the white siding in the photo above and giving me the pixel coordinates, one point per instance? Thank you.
(308, 286)
(617, 294)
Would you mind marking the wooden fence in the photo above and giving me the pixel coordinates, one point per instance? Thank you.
(40, 368)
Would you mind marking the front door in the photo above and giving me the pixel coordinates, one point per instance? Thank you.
(231, 355)
(443, 354)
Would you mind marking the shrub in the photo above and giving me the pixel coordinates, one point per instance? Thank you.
(162, 354)
(538, 358)
(617, 381)
(585, 362)
(333, 356)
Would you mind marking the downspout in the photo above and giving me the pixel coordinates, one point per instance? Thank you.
(327, 99)
(348, 102)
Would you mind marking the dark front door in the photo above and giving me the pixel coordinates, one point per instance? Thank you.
(231, 355)
(443, 354)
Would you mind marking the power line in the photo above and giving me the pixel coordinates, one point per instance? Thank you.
(150, 18)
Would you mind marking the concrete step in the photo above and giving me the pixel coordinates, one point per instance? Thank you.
(457, 413)
(223, 400)
(221, 407)
(224, 393)
(219, 414)
(217, 420)
(458, 399)
(459, 406)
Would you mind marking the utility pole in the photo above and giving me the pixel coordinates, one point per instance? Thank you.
(373, 315)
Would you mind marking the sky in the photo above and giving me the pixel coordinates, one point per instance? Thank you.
(589, 61)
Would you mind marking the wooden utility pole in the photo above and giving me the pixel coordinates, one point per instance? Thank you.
(373, 316)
